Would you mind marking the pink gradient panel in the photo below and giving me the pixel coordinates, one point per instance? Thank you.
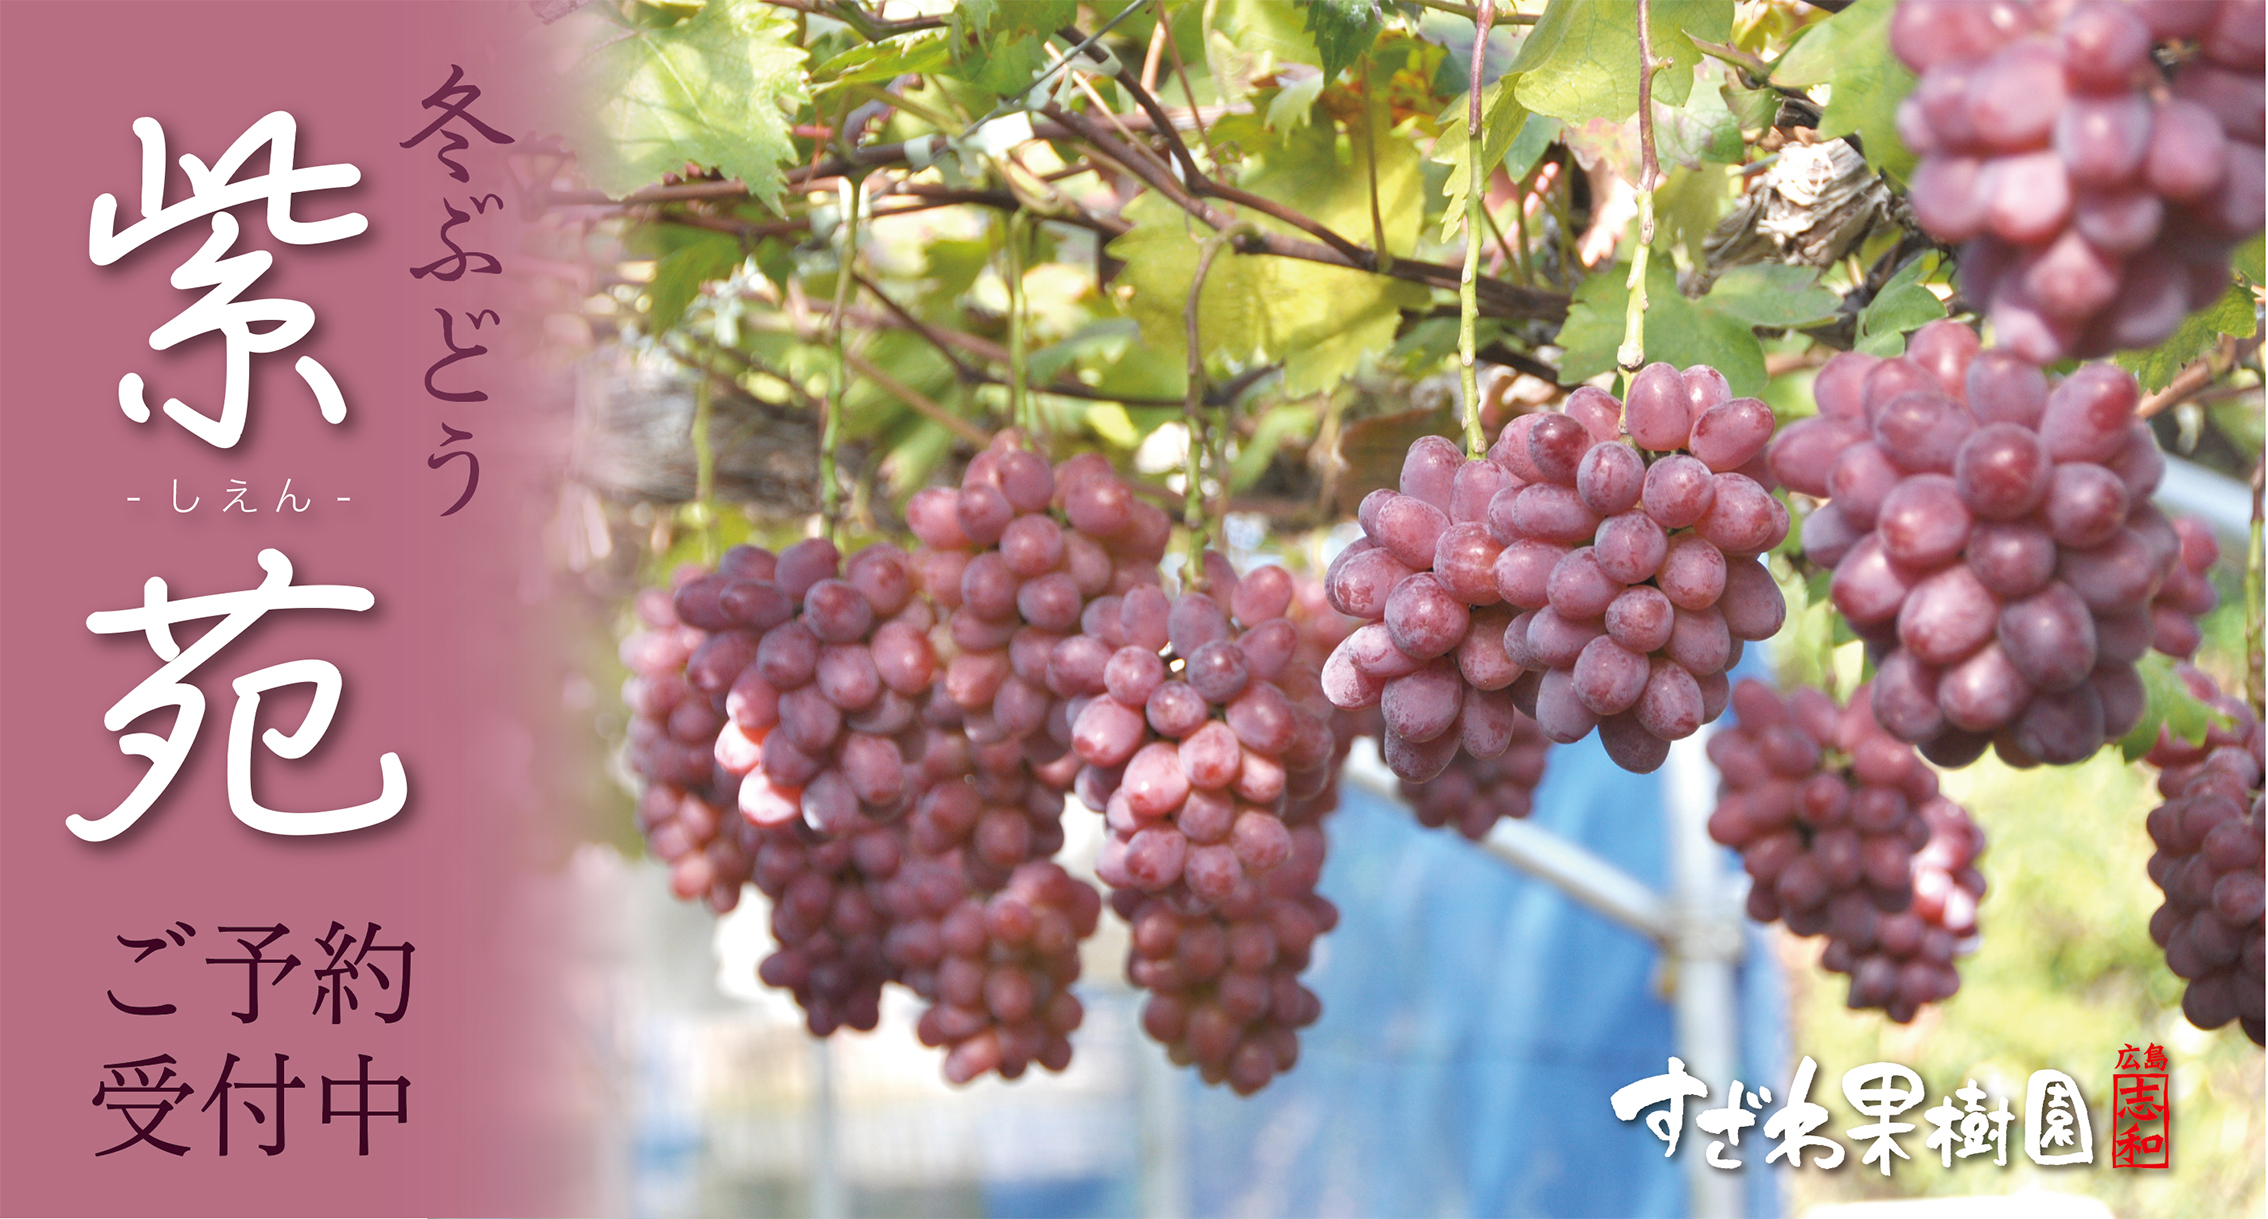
(429, 672)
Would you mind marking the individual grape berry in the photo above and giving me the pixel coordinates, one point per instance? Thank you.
(2209, 863)
(1844, 834)
(1473, 794)
(2097, 207)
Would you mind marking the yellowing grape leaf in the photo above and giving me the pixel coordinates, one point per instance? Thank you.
(1257, 308)
(889, 59)
(1502, 116)
(715, 89)
(1580, 61)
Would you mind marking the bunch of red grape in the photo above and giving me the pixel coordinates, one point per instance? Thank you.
(1473, 794)
(2099, 202)
(1900, 961)
(1207, 745)
(1842, 830)
(1595, 583)
(1015, 579)
(829, 919)
(1992, 540)
(685, 817)
(1224, 980)
(2188, 593)
(996, 969)
(2209, 864)
(818, 675)
(1190, 743)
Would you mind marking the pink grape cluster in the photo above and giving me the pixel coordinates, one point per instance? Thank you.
(683, 811)
(1189, 741)
(1588, 577)
(1903, 960)
(1014, 557)
(2188, 593)
(819, 675)
(2209, 864)
(2099, 202)
(997, 968)
(829, 919)
(1473, 794)
(1224, 977)
(1992, 540)
(1843, 833)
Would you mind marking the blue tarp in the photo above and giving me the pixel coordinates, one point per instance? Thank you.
(1475, 1023)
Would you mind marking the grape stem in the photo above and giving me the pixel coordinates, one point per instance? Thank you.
(1370, 164)
(830, 495)
(2255, 647)
(1193, 493)
(704, 471)
(1633, 351)
(1468, 284)
(1019, 397)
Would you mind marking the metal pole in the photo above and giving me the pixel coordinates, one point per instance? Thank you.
(1163, 1188)
(829, 1199)
(1704, 949)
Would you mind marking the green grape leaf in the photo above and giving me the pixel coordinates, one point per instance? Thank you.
(868, 408)
(1268, 27)
(1688, 205)
(975, 14)
(1110, 423)
(2249, 259)
(2166, 702)
(1678, 330)
(1294, 104)
(1343, 30)
(1580, 62)
(694, 257)
(1318, 320)
(1903, 305)
(1703, 130)
(923, 448)
(1005, 66)
(2157, 366)
(715, 89)
(1042, 17)
(1502, 118)
(1751, 108)
(1773, 294)
(1528, 147)
(928, 51)
(1850, 53)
